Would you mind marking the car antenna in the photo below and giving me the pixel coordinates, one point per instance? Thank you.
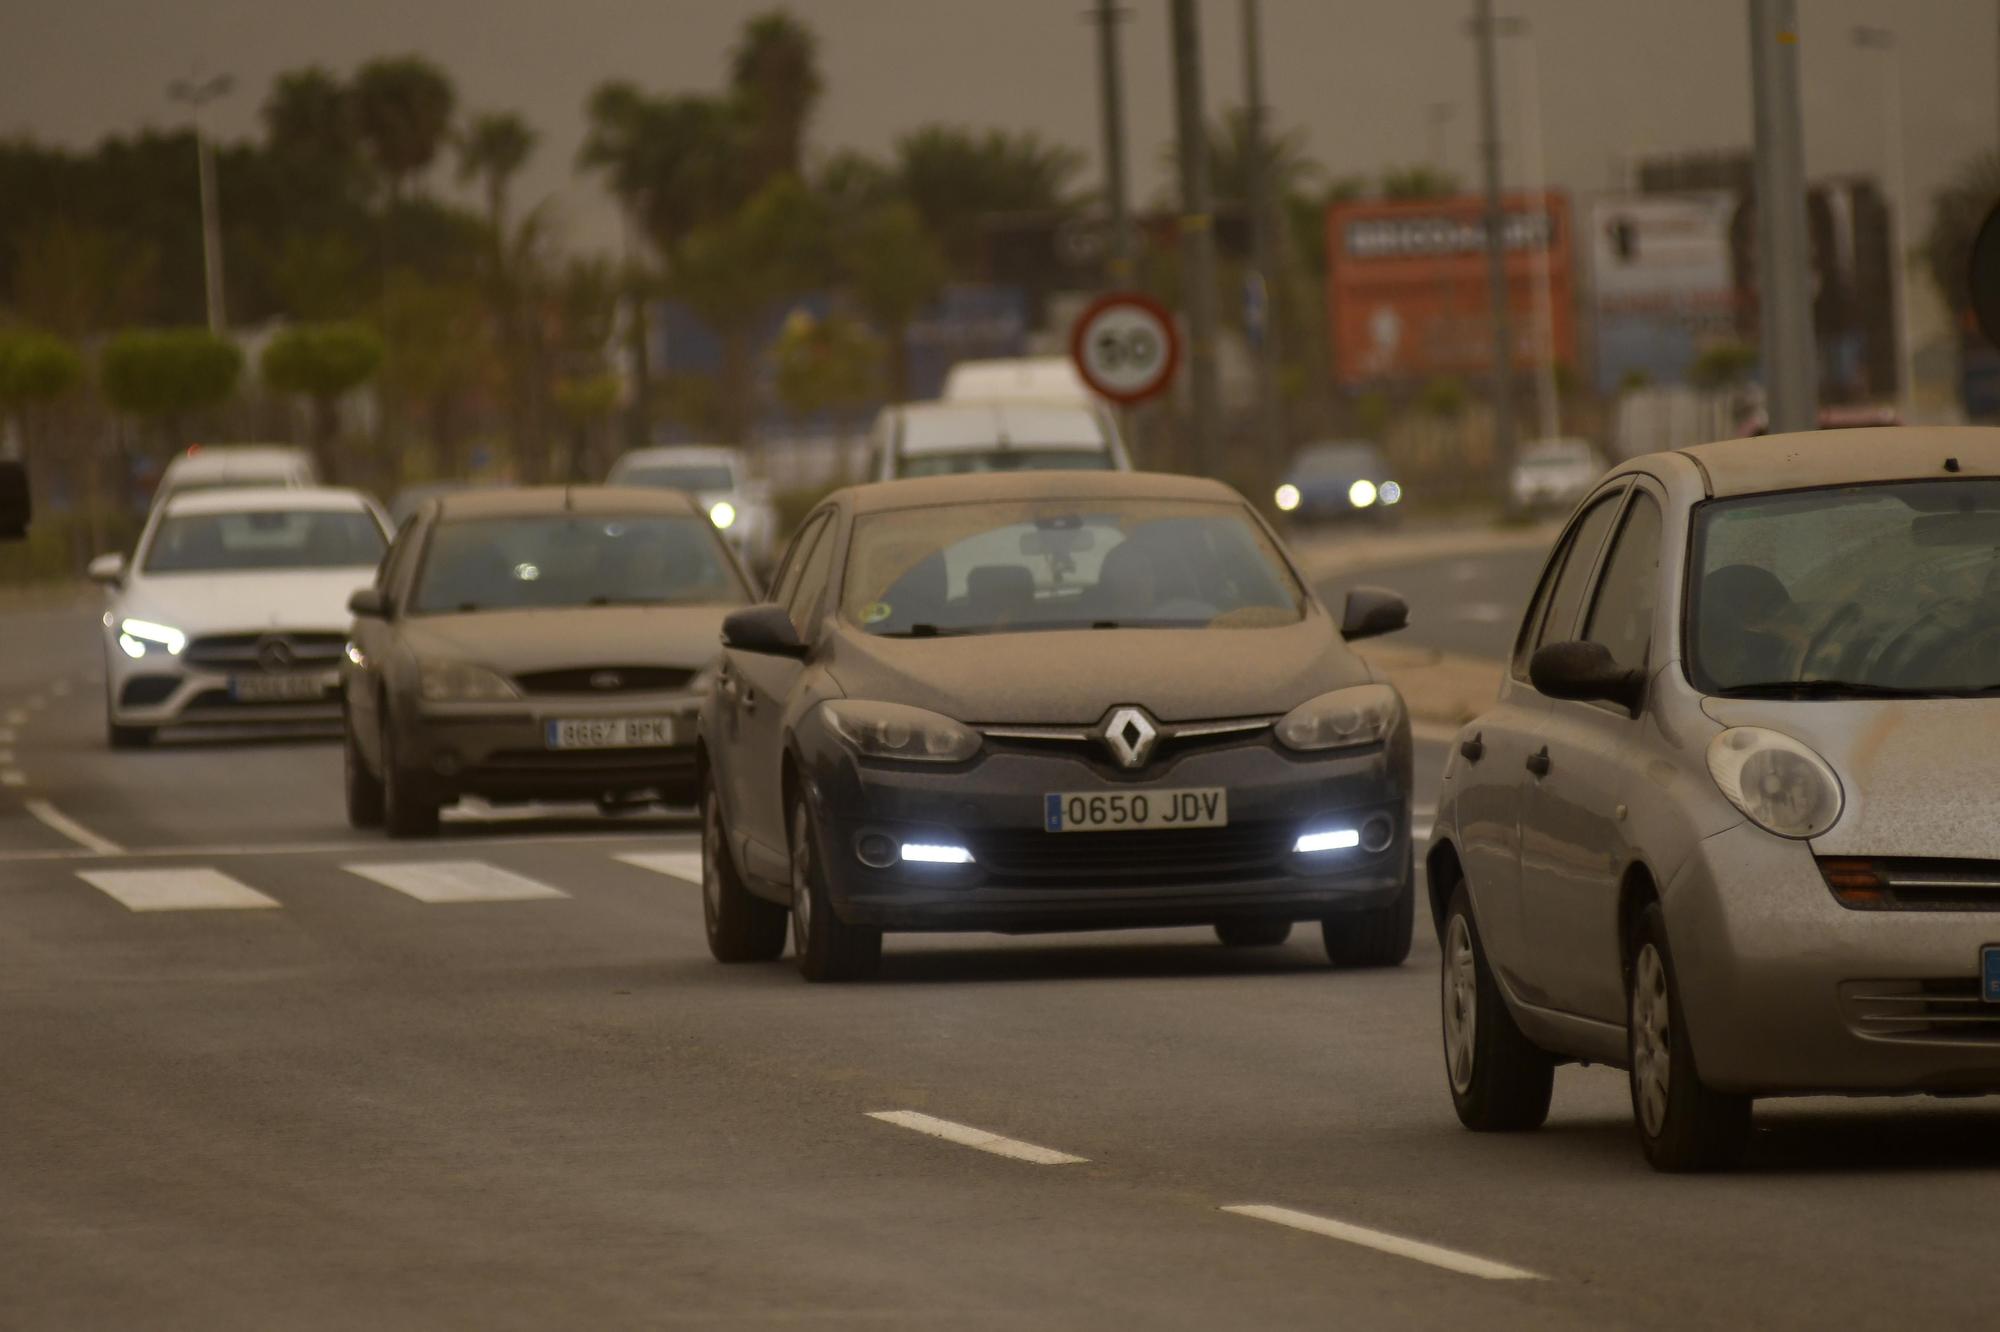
(1951, 464)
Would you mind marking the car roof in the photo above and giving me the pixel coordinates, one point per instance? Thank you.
(1002, 487)
(1845, 457)
(246, 499)
(943, 427)
(1014, 378)
(680, 453)
(538, 501)
(240, 457)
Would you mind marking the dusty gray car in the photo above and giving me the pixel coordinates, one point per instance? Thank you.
(1729, 825)
(534, 645)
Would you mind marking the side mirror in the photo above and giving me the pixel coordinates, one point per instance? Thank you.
(15, 509)
(766, 629)
(1586, 673)
(1371, 611)
(106, 569)
(371, 603)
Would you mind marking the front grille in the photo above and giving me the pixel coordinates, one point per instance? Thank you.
(1175, 739)
(665, 763)
(1913, 883)
(606, 680)
(145, 691)
(1030, 858)
(301, 650)
(1927, 1010)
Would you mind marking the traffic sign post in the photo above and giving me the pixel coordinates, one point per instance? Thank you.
(1125, 347)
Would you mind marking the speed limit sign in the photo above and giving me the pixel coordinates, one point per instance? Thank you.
(1125, 347)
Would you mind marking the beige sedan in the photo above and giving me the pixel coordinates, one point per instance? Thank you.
(1729, 825)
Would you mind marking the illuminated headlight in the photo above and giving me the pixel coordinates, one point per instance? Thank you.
(1287, 497)
(722, 513)
(935, 853)
(138, 637)
(462, 682)
(897, 731)
(1778, 783)
(1336, 839)
(1391, 492)
(354, 654)
(1344, 719)
(1361, 494)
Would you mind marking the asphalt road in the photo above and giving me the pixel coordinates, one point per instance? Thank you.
(506, 1088)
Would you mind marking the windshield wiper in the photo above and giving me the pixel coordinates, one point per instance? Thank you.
(1832, 689)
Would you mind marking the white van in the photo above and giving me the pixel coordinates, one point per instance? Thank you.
(231, 466)
(946, 438)
(1017, 378)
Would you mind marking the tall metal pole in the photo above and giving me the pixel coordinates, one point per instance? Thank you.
(1496, 254)
(1111, 89)
(197, 96)
(1884, 41)
(1783, 257)
(1263, 241)
(1548, 399)
(1197, 236)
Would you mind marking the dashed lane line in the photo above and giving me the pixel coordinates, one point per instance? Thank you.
(16, 717)
(6, 735)
(13, 778)
(58, 821)
(456, 881)
(1451, 1260)
(240, 850)
(979, 1139)
(193, 889)
(674, 864)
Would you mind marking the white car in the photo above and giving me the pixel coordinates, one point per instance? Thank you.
(997, 435)
(1554, 474)
(1011, 378)
(233, 608)
(232, 466)
(719, 479)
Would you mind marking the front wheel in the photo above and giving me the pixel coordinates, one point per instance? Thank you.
(742, 927)
(1500, 1082)
(1683, 1125)
(407, 811)
(828, 948)
(364, 788)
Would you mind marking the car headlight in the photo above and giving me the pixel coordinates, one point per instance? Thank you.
(1391, 492)
(897, 731)
(1344, 719)
(138, 637)
(1361, 494)
(722, 513)
(1287, 497)
(705, 678)
(462, 682)
(1778, 783)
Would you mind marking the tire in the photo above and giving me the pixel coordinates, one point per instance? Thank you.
(128, 737)
(407, 811)
(364, 788)
(742, 927)
(1500, 1082)
(828, 948)
(1683, 1125)
(1253, 933)
(1378, 937)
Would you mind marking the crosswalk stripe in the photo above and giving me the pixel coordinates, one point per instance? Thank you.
(194, 889)
(455, 881)
(673, 864)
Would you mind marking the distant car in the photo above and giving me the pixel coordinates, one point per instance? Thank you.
(917, 439)
(228, 466)
(1729, 824)
(719, 479)
(1050, 701)
(535, 645)
(1553, 474)
(233, 608)
(1853, 416)
(403, 505)
(1017, 378)
(1338, 479)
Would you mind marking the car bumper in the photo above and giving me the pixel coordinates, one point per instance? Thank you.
(1787, 992)
(501, 751)
(158, 690)
(1025, 879)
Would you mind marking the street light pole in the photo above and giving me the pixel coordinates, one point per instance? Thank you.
(1548, 399)
(1197, 235)
(1496, 255)
(198, 95)
(1884, 41)
(1783, 263)
(1263, 241)
(1111, 91)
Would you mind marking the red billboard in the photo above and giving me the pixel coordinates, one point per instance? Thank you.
(1406, 286)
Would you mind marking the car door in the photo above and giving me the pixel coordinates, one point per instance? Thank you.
(1490, 765)
(1575, 841)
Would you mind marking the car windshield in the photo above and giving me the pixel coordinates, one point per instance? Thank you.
(1024, 458)
(1855, 591)
(265, 539)
(480, 564)
(1346, 461)
(705, 477)
(1057, 564)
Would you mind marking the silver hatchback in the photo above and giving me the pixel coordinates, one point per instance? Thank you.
(1730, 823)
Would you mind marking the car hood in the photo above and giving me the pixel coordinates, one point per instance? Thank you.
(308, 599)
(541, 640)
(1073, 677)
(1916, 777)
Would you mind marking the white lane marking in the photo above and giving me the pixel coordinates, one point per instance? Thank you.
(1451, 1260)
(73, 830)
(199, 889)
(1467, 571)
(11, 777)
(16, 717)
(229, 851)
(967, 1136)
(1483, 612)
(673, 864)
(455, 881)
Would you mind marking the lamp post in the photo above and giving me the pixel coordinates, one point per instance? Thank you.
(1883, 40)
(198, 93)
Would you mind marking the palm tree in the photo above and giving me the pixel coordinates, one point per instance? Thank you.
(956, 178)
(402, 110)
(492, 150)
(671, 161)
(774, 76)
(309, 119)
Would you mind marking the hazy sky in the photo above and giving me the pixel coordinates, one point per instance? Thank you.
(1617, 77)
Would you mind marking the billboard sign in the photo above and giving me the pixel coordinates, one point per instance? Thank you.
(1664, 282)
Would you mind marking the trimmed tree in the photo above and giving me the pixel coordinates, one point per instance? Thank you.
(322, 363)
(163, 376)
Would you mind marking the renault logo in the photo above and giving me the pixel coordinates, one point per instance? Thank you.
(1130, 734)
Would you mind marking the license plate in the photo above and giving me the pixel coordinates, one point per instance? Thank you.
(282, 688)
(1989, 973)
(611, 733)
(1135, 811)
